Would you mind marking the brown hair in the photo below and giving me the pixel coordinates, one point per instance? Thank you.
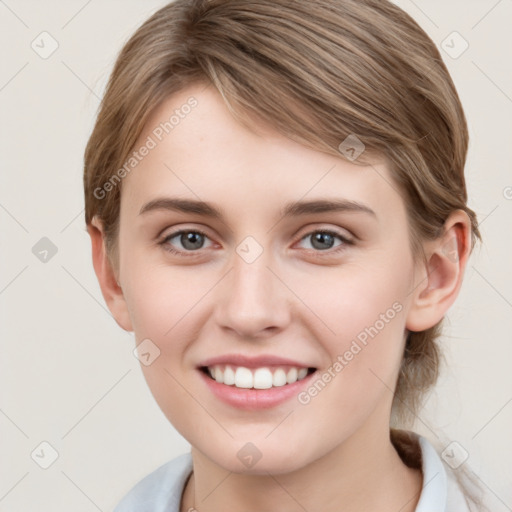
(317, 71)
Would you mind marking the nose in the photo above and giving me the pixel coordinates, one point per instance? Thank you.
(253, 301)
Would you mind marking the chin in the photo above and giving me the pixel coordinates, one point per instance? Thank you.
(248, 459)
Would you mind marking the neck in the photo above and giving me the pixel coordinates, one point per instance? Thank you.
(363, 473)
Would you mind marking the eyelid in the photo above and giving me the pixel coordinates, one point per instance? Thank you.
(174, 230)
(341, 232)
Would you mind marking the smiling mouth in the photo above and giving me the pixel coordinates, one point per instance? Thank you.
(265, 377)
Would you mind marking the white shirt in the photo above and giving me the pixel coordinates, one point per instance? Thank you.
(161, 490)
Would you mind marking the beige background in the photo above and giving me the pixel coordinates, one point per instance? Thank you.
(68, 376)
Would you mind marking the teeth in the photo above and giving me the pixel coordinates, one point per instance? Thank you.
(219, 375)
(243, 378)
(262, 378)
(292, 375)
(229, 376)
(279, 378)
(259, 378)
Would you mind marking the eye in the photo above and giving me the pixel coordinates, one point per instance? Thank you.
(323, 240)
(190, 239)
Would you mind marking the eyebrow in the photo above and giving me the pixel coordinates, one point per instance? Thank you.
(294, 208)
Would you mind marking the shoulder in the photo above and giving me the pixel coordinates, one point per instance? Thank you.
(161, 490)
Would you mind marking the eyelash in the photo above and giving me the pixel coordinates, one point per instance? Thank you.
(192, 254)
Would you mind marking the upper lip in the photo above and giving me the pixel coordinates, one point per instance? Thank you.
(253, 362)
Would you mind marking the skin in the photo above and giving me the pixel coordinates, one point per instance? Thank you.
(295, 300)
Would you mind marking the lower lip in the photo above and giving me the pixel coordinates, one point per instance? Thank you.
(253, 399)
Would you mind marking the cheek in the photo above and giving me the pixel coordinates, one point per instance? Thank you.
(360, 321)
(351, 299)
(160, 297)
(164, 305)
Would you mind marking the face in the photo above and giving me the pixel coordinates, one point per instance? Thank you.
(304, 273)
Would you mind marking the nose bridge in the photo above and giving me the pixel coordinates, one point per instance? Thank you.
(253, 298)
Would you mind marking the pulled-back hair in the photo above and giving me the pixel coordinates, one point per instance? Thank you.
(317, 71)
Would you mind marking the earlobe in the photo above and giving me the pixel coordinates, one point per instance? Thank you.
(107, 278)
(440, 280)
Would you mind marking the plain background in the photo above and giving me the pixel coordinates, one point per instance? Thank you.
(68, 376)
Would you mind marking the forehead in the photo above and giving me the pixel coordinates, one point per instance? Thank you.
(199, 151)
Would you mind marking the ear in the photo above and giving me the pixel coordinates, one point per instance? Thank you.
(107, 278)
(440, 280)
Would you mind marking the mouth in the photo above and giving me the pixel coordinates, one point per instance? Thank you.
(264, 377)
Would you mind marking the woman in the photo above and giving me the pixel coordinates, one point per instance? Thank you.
(276, 201)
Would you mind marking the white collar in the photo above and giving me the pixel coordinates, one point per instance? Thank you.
(440, 490)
